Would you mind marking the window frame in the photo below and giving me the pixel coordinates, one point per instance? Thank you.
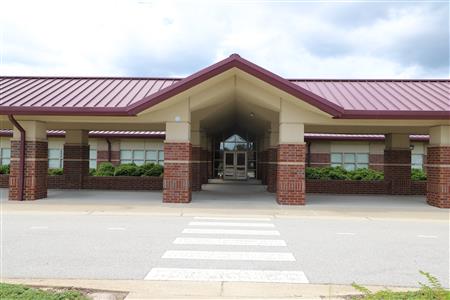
(60, 159)
(145, 160)
(342, 162)
(5, 157)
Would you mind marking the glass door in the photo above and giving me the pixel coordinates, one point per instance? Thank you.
(228, 169)
(241, 165)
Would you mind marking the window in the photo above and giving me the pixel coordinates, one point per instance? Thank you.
(350, 161)
(417, 161)
(55, 158)
(92, 158)
(139, 157)
(5, 156)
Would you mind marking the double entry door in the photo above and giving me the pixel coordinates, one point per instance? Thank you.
(235, 165)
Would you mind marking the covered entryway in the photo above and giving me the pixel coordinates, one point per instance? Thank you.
(233, 97)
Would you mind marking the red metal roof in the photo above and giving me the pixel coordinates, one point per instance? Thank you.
(425, 99)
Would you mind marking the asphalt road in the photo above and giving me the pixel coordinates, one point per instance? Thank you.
(315, 250)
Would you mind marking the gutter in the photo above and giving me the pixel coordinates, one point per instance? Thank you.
(308, 158)
(21, 156)
(109, 149)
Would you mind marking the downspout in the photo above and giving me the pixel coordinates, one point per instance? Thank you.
(109, 149)
(22, 155)
(308, 158)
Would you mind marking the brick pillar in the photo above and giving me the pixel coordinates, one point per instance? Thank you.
(291, 174)
(196, 169)
(204, 166)
(272, 170)
(36, 169)
(76, 158)
(397, 171)
(177, 172)
(76, 165)
(438, 176)
(36, 162)
(264, 167)
(210, 165)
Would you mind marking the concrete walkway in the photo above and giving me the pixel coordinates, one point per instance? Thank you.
(230, 198)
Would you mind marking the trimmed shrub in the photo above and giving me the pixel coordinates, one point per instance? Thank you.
(55, 171)
(366, 174)
(4, 169)
(127, 170)
(92, 171)
(151, 169)
(105, 169)
(339, 173)
(418, 174)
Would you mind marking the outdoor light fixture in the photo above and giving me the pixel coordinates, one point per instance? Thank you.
(411, 147)
(252, 115)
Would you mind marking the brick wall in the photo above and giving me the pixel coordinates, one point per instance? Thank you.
(102, 156)
(76, 164)
(379, 187)
(272, 170)
(376, 162)
(320, 159)
(123, 183)
(4, 181)
(291, 174)
(177, 173)
(196, 169)
(438, 174)
(397, 171)
(36, 168)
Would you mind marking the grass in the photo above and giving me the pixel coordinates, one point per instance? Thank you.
(16, 291)
(431, 291)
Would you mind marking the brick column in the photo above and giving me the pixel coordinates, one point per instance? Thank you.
(76, 158)
(397, 164)
(36, 162)
(210, 164)
(177, 172)
(196, 169)
(438, 176)
(204, 166)
(264, 167)
(438, 167)
(272, 170)
(291, 174)
(177, 183)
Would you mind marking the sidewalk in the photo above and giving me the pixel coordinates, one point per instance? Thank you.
(141, 289)
(242, 200)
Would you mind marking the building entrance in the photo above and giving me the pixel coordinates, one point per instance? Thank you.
(235, 165)
(234, 158)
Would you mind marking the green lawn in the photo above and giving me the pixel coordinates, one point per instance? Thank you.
(15, 291)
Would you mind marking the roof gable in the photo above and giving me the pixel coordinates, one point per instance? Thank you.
(405, 99)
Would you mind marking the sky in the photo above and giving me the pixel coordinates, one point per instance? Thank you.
(165, 38)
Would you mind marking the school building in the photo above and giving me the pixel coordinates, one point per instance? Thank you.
(233, 120)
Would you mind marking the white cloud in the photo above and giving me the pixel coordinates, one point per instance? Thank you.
(170, 38)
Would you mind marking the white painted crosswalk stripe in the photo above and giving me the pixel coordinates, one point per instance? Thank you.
(256, 232)
(229, 242)
(232, 219)
(229, 255)
(231, 231)
(226, 275)
(231, 224)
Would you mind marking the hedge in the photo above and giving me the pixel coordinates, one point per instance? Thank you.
(339, 173)
(149, 169)
(4, 169)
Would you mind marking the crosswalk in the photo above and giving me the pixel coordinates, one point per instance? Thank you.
(237, 249)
